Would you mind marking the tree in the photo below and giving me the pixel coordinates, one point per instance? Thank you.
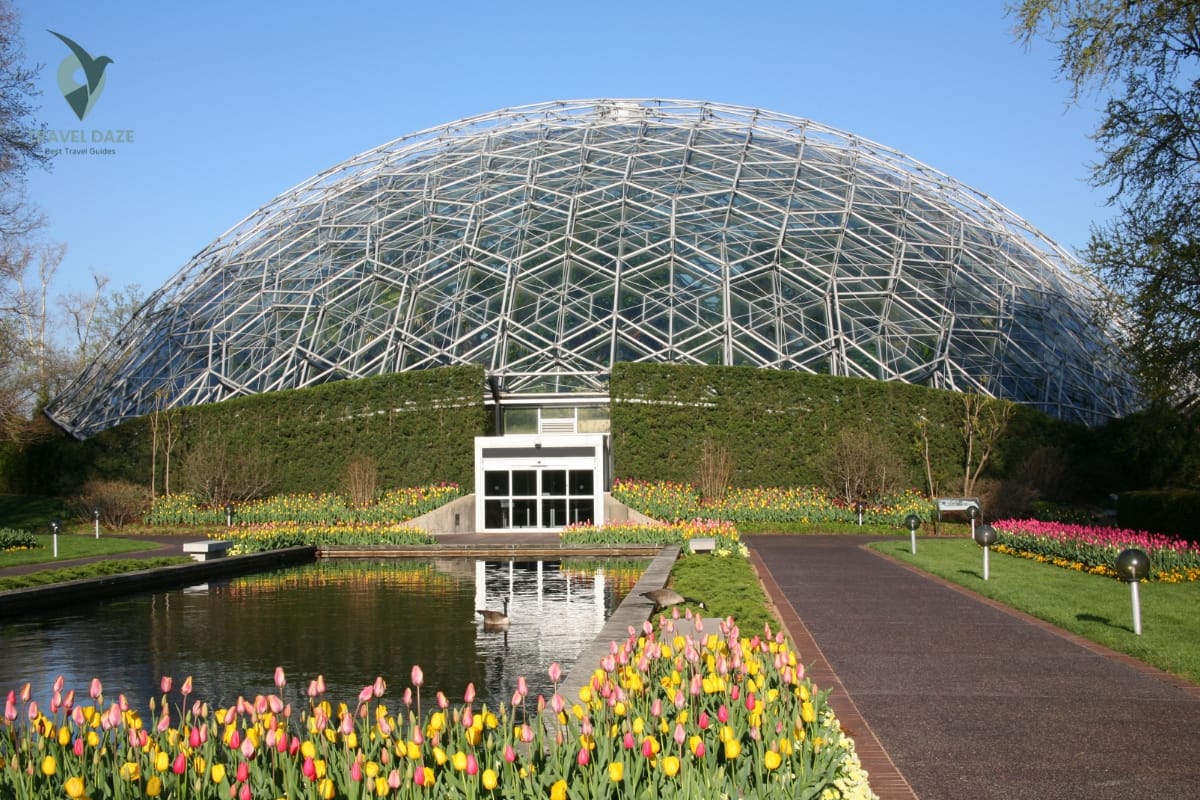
(1145, 56)
(21, 141)
(983, 422)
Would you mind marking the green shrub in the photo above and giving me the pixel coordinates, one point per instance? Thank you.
(119, 502)
(1171, 511)
(11, 539)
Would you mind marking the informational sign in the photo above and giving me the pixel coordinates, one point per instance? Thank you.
(957, 504)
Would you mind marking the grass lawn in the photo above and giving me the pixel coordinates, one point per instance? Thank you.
(71, 546)
(1097, 608)
(728, 587)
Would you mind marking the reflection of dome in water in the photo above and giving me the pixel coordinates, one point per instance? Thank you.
(549, 242)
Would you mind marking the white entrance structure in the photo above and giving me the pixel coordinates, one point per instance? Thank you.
(539, 481)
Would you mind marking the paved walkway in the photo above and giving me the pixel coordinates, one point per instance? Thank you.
(968, 699)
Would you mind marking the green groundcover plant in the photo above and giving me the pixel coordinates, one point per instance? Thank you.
(709, 713)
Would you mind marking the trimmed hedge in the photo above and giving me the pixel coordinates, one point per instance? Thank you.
(418, 426)
(1171, 511)
(776, 425)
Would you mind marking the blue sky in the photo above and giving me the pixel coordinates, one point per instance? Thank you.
(232, 103)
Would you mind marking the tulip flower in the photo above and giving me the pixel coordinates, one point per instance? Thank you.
(418, 677)
(555, 673)
(165, 684)
(95, 690)
(280, 679)
(616, 771)
(179, 765)
(469, 695)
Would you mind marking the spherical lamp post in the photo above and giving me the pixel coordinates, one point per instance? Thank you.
(912, 521)
(860, 507)
(55, 527)
(229, 515)
(96, 520)
(973, 514)
(1133, 566)
(985, 536)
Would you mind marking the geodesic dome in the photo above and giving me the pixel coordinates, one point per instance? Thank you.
(550, 241)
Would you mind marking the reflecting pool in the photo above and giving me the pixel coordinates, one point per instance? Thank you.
(347, 620)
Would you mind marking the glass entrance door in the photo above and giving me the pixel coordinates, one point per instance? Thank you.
(541, 497)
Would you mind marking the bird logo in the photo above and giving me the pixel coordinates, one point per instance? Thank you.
(81, 97)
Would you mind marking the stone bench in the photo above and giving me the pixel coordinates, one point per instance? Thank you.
(208, 549)
(702, 544)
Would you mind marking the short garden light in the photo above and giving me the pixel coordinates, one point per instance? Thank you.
(96, 520)
(229, 515)
(985, 536)
(913, 522)
(55, 526)
(860, 506)
(973, 514)
(1133, 566)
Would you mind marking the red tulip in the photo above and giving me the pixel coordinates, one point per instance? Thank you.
(179, 765)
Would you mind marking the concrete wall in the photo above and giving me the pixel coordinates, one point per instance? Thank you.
(458, 516)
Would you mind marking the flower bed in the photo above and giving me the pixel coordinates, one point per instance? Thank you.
(724, 533)
(1094, 549)
(327, 509)
(663, 715)
(666, 500)
(275, 536)
(13, 539)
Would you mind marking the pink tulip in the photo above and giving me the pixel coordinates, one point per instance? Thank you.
(583, 757)
(95, 690)
(656, 708)
(557, 703)
(77, 716)
(58, 684)
(510, 755)
(627, 741)
(356, 771)
(294, 746)
(418, 677)
(77, 747)
(347, 726)
(186, 689)
(393, 779)
(179, 765)
(680, 734)
(700, 749)
(244, 792)
(472, 764)
(647, 748)
(522, 686)
(55, 703)
(275, 703)
(309, 769)
(516, 699)
(10, 706)
(280, 678)
(248, 747)
(235, 739)
(469, 696)
(365, 694)
(69, 701)
(468, 717)
(164, 722)
(526, 733)
(165, 684)
(26, 693)
(243, 771)
(408, 697)
(379, 687)
(419, 776)
(751, 701)
(555, 672)
(312, 689)
(722, 714)
(442, 702)
(32, 711)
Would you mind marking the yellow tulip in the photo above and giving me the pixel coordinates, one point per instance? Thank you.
(162, 761)
(319, 766)
(439, 755)
(459, 760)
(616, 771)
(413, 751)
(772, 760)
(670, 766)
(93, 739)
(130, 771)
(74, 787)
(559, 790)
(733, 748)
(490, 779)
(153, 787)
(807, 712)
(381, 787)
(325, 789)
(49, 766)
(308, 749)
(64, 736)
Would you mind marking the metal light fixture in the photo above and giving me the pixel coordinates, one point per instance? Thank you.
(1133, 566)
(913, 522)
(986, 537)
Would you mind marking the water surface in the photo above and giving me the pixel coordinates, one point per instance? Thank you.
(347, 620)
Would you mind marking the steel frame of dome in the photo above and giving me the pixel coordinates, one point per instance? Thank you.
(548, 242)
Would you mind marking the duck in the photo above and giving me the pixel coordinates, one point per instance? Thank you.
(493, 619)
(665, 598)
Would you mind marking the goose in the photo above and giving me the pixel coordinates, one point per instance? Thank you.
(494, 619)
(664, 598)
